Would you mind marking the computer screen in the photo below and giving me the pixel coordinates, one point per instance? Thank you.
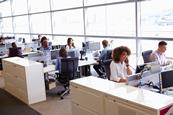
(8, 45)
(54, 54)
(93, 46)
(2, 49)
(166, 79)
(73, 52)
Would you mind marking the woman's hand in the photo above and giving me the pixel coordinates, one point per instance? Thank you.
(126, 61)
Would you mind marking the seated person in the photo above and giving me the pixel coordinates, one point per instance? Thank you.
(70, 44)
(15, 51)
(159, 56)
(62, 54)
(120, 65)
(46, 50)
(98, 67)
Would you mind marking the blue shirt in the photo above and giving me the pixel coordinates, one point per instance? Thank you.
(103, 55)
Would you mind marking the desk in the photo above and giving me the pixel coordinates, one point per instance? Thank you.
(96, 96)
(49, 68)
(84, 66)
(87, 62)
(27, 53)
(24, 79)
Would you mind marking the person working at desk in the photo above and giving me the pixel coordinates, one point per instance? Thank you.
(15, 51)
(98, 67)
(62, 54)
(159, 56)
(46, 50)
(70, 44)
(120, 64)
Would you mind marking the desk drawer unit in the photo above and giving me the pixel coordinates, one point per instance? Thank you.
(24, 79)
(88, 99)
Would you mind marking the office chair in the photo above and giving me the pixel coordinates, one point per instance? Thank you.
(15, 52)
(146, 56)
(106, 66)
(67, 72)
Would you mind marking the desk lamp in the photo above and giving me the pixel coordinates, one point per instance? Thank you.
(152, 68)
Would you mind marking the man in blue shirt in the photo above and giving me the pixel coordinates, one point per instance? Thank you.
(103, 56)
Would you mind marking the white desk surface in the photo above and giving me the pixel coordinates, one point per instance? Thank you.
(87, 62)
(129, 93)
(21, 61)
(27, 53)
(49, 68)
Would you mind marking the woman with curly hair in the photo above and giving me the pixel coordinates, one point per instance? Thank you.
(120, 65)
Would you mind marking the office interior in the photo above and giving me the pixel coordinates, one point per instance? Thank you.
(137, 24)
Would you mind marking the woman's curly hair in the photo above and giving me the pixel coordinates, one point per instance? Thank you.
(118, 51)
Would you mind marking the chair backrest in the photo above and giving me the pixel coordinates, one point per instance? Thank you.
(106, 65)
(109, 54)
(69, 67)
(15, 52)
(146, 56)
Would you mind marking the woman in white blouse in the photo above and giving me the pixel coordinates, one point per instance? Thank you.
(120, 65)
(70, 44)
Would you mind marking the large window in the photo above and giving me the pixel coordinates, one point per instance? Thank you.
(41, 23)
(6, 24)
(68, 22)
(138, 24)
(95, 2)
(156, 18)
(63, 4)
(106, 20)
(17, 8)
(38, 5)
(5, 9)
(21, 24)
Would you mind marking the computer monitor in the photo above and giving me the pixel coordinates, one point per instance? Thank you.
(166, 80)
(85, 46)
(93, 46)
(54, 47)
(2, 49)
(54, 54)
(8, 45)
(73, 52)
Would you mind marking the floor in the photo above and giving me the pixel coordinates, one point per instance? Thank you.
(53, 104)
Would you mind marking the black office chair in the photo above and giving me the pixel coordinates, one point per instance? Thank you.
(146, 56)
(15, 52)
(68, 71)
(106, 66)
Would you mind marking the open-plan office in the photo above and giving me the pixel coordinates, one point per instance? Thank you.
(138, 24)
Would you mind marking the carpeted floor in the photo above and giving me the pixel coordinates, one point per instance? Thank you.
(10, 105)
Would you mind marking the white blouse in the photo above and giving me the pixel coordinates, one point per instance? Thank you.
(118, 71)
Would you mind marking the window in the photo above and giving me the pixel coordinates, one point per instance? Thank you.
(156, 20)
(38, 5)
(95, 2)
(21, 24)
(17, 8)
(41, 23)
(5, 9)
(68, 22)
(7, 25)
(106, 20)
(62, 4)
